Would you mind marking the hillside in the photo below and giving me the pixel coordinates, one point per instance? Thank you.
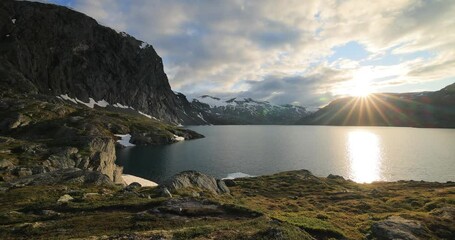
(290, 205)
(422, 109)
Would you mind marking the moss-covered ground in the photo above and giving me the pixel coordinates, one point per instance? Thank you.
(289, 205)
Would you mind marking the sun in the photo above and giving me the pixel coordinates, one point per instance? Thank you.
(361, 89)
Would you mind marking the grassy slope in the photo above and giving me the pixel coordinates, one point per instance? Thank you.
(293, 205)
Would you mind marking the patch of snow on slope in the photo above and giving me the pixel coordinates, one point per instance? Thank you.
(178, 138)
(118, 105)
(144, 182)
(146, 115)
(201, 117)
(237, 175)
(143, 45)
(90, 104)
(212, 101)
(125, 140)
(66, 97)
(13, 20)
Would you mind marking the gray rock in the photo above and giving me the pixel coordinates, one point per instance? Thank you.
(15, 121)
(444, 212)
(222, 186)
(335, 177)
(65, 198)
(193, 179)
(22, 172)
(396, 227)
(63, 176)
(166, 193)
(133, 186)
(5, 163)
(230, 182)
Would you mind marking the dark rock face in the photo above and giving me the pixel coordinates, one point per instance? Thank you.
(63, 176)
(53, 50)
(193, 179)
(399, 228)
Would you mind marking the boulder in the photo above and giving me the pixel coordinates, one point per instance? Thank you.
(335, 177)
(444, 212)
(63, 176)
(165, 192)
(65, 198)
(396, 227)
(193, 179)
(132, 186)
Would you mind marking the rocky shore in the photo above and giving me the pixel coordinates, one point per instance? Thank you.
(192, 205)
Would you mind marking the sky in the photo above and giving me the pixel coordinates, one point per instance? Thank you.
(291, 51)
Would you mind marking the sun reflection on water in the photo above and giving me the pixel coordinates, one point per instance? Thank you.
(364, 156)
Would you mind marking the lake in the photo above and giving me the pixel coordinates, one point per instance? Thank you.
(362, 154)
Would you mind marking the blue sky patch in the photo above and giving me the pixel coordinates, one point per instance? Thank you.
(351, 50)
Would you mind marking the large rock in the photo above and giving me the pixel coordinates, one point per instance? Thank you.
(396, 227)
(194, 179)
(63, 176)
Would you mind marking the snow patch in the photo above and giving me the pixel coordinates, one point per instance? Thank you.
(144, 182)
(90, 104)
(143, 45)
(13, 20)
(178, 138)
(237, 175)
(119, 105)
(201, 117)
(67, 98)
(125, 140)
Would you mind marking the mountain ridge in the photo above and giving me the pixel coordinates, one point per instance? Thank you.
(417, 109)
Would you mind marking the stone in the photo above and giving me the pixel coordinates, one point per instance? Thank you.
(5, 163)
(444, 212)
(335, 177)
(133, 186)
(63, 176)
(166, 193)
(230, 182)
(396, 227)
(193, 179)
(65, 198)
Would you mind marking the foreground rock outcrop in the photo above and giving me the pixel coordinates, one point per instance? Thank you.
(196, 180)
(60, 135)
(289, 205)
(399, 228)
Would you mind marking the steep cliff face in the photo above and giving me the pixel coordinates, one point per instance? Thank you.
(53, 50)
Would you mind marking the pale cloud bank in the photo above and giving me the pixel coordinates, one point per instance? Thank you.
(291, 51)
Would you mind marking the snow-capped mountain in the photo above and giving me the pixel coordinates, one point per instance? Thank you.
(215, 110)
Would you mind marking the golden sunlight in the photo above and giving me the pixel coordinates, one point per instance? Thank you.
(361, 88)
(364, 156)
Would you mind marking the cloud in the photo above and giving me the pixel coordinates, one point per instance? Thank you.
(280, 50)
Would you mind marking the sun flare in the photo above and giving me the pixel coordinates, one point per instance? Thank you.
(361, 89)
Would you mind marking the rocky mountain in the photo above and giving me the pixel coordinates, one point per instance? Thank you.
(214, 110)
(53, 50)
(421, 109)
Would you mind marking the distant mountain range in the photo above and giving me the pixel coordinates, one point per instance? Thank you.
(421, 109)
(218, 111)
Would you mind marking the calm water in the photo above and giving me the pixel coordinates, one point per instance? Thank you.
(363, 154)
